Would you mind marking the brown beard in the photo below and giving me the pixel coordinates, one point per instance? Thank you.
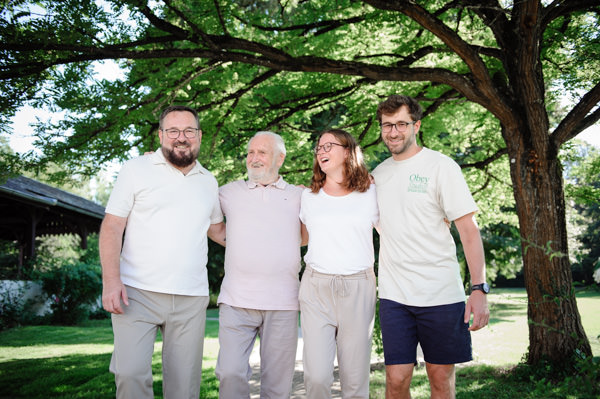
(180, 161)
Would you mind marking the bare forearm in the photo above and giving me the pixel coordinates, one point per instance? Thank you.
(473, 247)
(111, 238)
(217, 233)
(110, 245)
(475, 257)
(304, 235)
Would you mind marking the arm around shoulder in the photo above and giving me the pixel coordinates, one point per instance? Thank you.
(216, 232)
(303, 234)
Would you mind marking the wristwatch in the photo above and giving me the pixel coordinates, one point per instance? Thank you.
(484, 287)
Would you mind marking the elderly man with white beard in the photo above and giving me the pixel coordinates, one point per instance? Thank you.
(259, 293)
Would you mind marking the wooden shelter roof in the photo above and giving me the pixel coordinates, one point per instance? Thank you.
(29, 208)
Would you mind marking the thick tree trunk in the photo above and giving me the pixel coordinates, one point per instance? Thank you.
(555, 329)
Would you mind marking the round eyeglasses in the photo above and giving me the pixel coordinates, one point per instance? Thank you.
(326, 147)
(189, 132)
(400, 126)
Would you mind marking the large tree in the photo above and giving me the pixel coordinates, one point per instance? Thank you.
(490, 74)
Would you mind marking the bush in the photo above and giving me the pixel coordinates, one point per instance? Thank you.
(15, 308)
(73, 289)
(11, 306)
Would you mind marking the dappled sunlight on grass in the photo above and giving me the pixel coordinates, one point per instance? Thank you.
(504, 340)
(62, 376)
(68, 362)
(49, 351)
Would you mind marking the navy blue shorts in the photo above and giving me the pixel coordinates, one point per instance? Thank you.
(441, 331)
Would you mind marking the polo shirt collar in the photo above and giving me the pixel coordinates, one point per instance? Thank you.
(279, 183)
(158, 158)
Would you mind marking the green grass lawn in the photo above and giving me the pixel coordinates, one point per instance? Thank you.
(505, 340)
(72, 362)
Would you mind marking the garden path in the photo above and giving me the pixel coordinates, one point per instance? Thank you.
(298, 391)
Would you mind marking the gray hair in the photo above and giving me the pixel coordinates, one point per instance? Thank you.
(279, 143)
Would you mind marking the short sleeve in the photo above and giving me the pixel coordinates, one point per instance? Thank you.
(122, 196)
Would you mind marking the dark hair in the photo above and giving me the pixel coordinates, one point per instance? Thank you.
(356, 175)
(394, 102)
(178, 108)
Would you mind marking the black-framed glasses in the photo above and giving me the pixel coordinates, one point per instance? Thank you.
(326, 147)
(188, 132)
(400, 126)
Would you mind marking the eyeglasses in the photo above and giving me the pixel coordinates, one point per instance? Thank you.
(189, 132)
(326, 147)
(400, 126)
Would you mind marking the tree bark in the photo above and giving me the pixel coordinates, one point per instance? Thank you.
(555, 329)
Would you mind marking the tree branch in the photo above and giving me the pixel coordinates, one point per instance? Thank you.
(561, 8)
(194, 27)
(320, 26)
(482, 164)
(270, 57)
(220, 15)
(578, 119)
(494, 16)
(485, 92)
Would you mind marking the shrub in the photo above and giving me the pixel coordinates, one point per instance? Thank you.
(11, 306)
(15, 308)
(72, 289)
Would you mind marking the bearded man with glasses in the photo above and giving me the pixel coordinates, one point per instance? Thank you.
(422, 299)
(154, 272)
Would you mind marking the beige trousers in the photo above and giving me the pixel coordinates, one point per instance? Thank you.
(181, 320)
(336, 314)
(238, 329)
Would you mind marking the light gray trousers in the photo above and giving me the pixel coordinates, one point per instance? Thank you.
(181, 320)
(337, 314)
(238, 329)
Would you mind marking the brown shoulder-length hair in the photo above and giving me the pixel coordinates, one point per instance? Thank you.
(356, 175)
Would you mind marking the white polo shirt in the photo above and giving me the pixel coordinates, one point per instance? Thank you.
(165, 248)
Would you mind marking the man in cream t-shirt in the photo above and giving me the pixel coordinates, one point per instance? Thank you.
(422, 300)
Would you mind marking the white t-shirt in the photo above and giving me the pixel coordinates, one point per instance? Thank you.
(168, 214)
(262, 257)
(340, 231)
(417, 255)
